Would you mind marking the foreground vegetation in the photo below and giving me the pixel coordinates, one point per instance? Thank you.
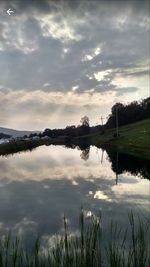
(125, 248)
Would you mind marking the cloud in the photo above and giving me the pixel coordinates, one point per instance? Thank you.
(125, 90)
(46, 108)
(89, 47)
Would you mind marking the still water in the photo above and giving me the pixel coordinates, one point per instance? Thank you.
(37, 188)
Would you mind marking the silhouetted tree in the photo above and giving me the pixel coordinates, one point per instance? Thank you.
(85, 121)
(130, 113)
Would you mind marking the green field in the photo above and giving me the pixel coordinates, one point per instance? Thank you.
(134, 139)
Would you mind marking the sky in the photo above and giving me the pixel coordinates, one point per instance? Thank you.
(62, 60)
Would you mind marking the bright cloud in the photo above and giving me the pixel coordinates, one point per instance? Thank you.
(101, 75)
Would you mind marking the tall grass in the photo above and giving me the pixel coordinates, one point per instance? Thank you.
(88, 248)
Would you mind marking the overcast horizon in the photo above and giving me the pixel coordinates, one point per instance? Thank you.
(61, 60)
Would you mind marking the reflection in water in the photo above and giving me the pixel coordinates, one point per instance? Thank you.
(121, 162)
(85, 154)
(38, 187)
(128, 163)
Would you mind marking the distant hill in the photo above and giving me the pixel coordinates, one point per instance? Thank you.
(15, 133)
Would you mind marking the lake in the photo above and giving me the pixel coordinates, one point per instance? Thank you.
(38, 187)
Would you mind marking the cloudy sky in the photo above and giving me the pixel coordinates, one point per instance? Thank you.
(61, 60)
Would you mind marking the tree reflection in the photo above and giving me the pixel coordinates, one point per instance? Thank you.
(120, 162)
(128, 163)
(85, 154)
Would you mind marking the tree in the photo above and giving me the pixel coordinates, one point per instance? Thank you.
(85, 121)
(130, 113)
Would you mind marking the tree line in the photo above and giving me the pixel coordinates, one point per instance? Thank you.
(73, 131)
(130, 113)
(125, 114)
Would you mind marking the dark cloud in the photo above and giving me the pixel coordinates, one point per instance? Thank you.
(41, 58)
(27, 6)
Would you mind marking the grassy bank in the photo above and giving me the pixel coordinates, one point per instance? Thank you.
(87, 249)
(13, 147)
(18, 146)
(134, 139)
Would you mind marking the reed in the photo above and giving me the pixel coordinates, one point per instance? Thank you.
(88, 248)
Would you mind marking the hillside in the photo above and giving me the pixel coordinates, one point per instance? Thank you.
(15, 133)
(134, 138)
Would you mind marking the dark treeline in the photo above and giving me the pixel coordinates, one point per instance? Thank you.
(125, 114)
(130, 113)
(73, 131)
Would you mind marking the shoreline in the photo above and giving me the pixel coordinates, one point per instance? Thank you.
(20, 146)
(134, 139)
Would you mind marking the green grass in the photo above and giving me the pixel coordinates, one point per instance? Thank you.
(18, 146)
(134, 139)
(13, 147)
(89, 248)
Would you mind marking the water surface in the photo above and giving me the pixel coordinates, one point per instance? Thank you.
(37, 188)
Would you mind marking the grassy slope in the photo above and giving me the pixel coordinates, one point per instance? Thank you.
(134, 138)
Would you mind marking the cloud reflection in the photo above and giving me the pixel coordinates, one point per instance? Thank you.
(39, 187)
